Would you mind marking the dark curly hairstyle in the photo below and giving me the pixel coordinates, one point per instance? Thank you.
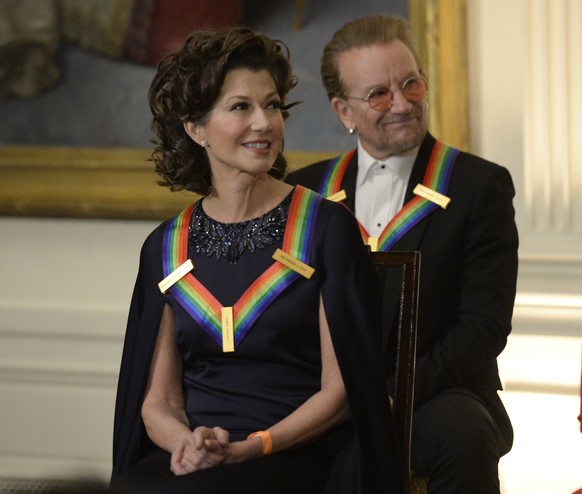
(186, 87)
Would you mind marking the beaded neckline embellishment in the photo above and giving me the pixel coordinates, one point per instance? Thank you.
(230, 240)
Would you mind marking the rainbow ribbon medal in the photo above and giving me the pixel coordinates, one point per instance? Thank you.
(204, 308)
(333, 176)
(436, 180)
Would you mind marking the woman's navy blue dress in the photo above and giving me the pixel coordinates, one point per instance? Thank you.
(273, 370)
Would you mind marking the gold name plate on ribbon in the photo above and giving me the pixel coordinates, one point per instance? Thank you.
(373, 243)
(432, 196)
(175, 276)
(338, 196)
(293, 263)
(227, 329)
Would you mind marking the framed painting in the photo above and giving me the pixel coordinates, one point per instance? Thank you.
(120, 183)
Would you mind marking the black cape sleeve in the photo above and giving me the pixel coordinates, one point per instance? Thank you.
(130, 441)
(351, 298)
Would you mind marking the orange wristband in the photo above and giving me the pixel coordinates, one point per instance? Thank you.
(267, 440)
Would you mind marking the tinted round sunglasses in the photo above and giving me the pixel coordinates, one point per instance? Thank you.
(381, 98)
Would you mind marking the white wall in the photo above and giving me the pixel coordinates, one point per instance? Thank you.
(541, 365)
(65, 287)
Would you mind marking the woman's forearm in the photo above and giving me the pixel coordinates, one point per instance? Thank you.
(322, 412)
(167, 428)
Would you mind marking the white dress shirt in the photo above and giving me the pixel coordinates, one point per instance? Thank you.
(380, 188)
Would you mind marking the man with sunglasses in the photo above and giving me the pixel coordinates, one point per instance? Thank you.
(412, 192)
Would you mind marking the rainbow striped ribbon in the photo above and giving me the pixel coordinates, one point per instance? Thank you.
(437, 177)
(333, 175)
(203, 307)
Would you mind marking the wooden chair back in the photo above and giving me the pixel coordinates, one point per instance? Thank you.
(407, 265)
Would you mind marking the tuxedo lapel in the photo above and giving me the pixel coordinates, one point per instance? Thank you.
(411, 241)
(420, 166)
(349, 182)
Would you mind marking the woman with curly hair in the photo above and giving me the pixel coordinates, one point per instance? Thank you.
(250, 361)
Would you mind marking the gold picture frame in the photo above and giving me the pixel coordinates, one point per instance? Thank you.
(120, 183)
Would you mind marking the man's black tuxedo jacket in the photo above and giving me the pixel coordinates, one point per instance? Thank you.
(467, 277)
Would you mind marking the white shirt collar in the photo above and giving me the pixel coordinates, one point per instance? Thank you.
(400, 165)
